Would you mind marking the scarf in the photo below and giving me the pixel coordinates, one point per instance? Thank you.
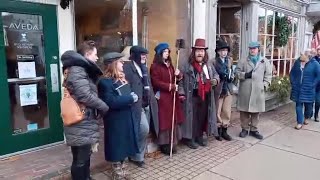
(254, 59)
(223, 71)
(204, 85)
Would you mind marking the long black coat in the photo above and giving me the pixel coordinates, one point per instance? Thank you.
(120, 140)
(135, 81)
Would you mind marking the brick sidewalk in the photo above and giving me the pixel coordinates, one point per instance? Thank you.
(54, 162)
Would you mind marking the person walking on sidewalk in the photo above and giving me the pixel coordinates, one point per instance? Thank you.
(136, 72)
(82, 75)
(304, 78)
(317, 99)
(255, 74)
(162, 79)
(222, 92)
(200, 78)
(120, 141)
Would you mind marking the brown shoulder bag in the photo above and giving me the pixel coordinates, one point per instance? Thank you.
(71, 111)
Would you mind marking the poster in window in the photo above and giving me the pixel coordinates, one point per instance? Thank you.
(27, 69)
(28, 94)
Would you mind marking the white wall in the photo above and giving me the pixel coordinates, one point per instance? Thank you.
(199, 19)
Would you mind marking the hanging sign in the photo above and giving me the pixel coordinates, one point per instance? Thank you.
(286, 4)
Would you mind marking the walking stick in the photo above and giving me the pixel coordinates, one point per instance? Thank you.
(179, 45)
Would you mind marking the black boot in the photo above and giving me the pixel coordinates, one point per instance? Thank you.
(225, 134)
(243, 133)
(174, 149)
(192, 144)
(256, 134)
(201, 141)
(219, 138)
(165, 149)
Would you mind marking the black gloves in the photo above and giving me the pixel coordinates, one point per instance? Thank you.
(248, 75)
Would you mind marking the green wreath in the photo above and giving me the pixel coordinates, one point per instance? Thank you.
(282, 29)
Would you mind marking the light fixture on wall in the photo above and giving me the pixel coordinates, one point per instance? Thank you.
(65, 3)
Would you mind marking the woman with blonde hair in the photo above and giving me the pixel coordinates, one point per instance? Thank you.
(120, 137)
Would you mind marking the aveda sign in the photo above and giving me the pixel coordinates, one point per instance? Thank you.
(24, 26)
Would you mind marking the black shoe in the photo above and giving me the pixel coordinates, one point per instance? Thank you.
(192, 144)
(244, 133)
(201, 141)
(225, 134)
(137, 163)
(174, 150)
(316, 120)
(165, 149)
(256, 134)
(219, 138)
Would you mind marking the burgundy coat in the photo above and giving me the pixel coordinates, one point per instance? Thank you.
(161, 78)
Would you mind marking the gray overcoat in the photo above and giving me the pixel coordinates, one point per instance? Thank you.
(251, 96)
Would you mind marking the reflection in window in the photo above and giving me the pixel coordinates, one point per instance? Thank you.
(26, 71)
(164, 21)
(228, 29)
(108, 23)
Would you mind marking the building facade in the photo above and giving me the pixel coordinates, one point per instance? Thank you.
(35, 33)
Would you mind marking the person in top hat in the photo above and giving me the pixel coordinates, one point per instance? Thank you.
(120, 138)
(136, 72)
(199, 80)
(223, 95)
(162, 77)
(255, 74)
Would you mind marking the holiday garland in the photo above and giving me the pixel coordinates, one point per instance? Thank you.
(282, 29)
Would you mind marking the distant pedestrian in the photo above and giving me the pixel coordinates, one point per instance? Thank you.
(304, 78)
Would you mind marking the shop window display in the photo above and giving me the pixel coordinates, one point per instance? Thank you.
(228, 29)
(164, 21)
(108, 23)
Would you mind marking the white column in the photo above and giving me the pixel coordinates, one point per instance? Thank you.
(66, 28)
(301, 32)
(134, 22)
(249, 27)
(199, 19)
(211, 27)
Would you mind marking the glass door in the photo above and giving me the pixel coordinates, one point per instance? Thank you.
(29, 77)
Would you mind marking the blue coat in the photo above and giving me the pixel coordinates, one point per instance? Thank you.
(304, 82)
(120, 139)
(317, 58)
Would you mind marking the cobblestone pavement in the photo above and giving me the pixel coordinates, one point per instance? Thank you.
(54, 162)
(188, 163)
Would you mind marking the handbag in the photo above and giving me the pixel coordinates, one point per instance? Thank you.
(233, 89)
(71, 111)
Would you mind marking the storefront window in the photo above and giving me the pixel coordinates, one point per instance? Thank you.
(108, 23)
(26, 71)
(272, 47)
(164, 21)
(228, 29)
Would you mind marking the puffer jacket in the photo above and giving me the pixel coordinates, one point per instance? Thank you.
(304, 82)
(81, 82)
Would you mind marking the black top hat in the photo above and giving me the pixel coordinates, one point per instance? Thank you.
(222, 45)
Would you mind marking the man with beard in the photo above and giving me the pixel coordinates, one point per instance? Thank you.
(136, 72)
(199, 79)
(255, 74)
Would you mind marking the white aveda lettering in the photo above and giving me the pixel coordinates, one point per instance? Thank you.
(22, 26)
